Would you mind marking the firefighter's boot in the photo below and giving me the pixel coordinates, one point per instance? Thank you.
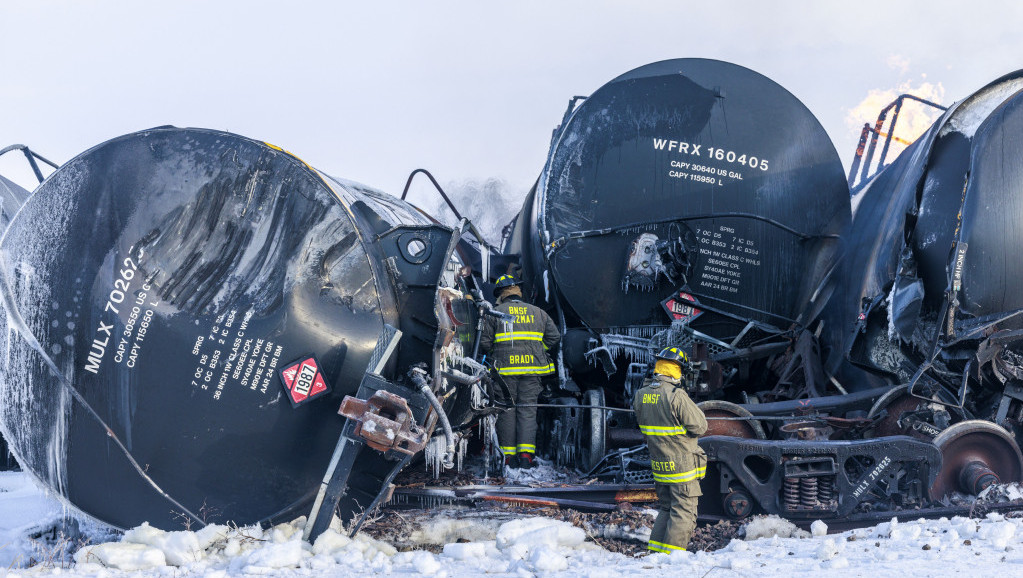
(527, 461)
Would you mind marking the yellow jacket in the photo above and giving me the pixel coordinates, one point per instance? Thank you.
(671, 422)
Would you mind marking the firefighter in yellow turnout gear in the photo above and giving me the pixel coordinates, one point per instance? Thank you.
(671, 422)
(518, 351)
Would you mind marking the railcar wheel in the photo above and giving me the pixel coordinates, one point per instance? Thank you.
(898, 402)
(974, 455)
(748, 429)
(593, 432)
(559, 431)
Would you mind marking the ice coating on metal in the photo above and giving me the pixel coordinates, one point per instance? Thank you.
(169, 274)
(710, 158)
(19, 412)
(972, 112)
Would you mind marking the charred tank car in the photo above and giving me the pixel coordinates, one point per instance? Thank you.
(688, 201)
(932, 275)
(187, 308)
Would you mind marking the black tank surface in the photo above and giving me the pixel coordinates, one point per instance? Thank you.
(167, 277)
(933, 251)
(684, 183)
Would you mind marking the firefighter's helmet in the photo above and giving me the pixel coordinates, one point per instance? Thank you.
(673, 354)
(505, 281)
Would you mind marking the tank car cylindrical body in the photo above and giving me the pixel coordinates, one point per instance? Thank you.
(161, 286)
(686, 190)
(930, 276)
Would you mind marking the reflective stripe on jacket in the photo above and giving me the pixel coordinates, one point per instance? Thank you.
(671, 422)
(520, 347)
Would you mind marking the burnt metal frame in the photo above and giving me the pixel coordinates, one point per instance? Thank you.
(862, 147)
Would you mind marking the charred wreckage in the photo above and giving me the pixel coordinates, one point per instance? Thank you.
(188, 309)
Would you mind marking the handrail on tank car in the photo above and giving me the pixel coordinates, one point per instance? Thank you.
(564, 118)
(443, 195)
(468, 226)
(31, 155)
(861, 147)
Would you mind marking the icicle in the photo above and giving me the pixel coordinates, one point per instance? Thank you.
(460, 449)
(488, 429)
(433, 455)
(476, 396)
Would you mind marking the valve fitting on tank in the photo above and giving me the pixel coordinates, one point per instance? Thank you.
(418, 376)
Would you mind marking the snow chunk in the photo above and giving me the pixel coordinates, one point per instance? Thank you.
(767, 526)
(330, 541)
(546, 559)
(905, 532)
(122, 556)
(179, 548)
(287, 532)
(827, 550)
(839, 563)
(425, 563)
(998, 532)
(466, 550)
(211, 534)
(273, 556)
(371, 546)
(818, 529)
(737, 546)
(884, 529)
(537, 531)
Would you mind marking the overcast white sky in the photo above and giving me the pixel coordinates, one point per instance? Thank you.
(372, 90)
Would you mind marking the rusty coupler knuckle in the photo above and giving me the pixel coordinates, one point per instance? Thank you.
(385, 421)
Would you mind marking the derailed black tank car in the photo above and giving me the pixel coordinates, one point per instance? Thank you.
(688, 201)
(931, 300)
(186, 310)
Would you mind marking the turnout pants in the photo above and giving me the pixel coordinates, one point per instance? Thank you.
(676, 518)
(516, 428)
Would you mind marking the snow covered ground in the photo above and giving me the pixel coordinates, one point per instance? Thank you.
(24, 511)
(520, 547)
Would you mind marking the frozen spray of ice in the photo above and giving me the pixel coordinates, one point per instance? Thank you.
(972, 113)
